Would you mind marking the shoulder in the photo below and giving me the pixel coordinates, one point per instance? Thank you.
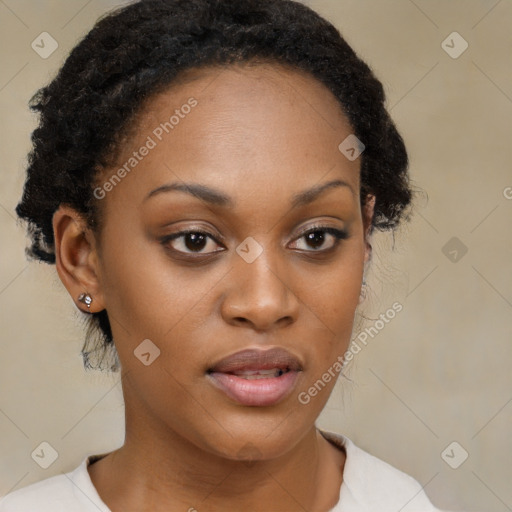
(372, 484)
(60, 493)
(55, 494)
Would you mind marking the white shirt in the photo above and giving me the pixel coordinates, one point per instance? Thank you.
(369, 485)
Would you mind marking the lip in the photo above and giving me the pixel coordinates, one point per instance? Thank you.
(256, 392)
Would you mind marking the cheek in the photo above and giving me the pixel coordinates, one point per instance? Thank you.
(329, 308)
(133, 280)
(149, 297)
(333, 293)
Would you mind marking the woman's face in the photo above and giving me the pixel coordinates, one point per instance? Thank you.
(248, 164)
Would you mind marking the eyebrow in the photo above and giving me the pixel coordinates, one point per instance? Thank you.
(309, 195)
(200, 191)
(217, 197)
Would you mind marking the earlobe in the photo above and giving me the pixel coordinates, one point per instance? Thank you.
(76, 260)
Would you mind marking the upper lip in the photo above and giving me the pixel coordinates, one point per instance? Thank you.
(257, 359)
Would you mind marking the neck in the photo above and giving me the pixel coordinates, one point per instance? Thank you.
(159, 469)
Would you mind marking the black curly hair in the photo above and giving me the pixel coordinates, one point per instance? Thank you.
(138, 51)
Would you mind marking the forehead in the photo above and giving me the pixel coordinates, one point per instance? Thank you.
(245, 128)
(240, 91)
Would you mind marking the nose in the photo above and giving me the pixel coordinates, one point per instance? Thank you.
(259, 296)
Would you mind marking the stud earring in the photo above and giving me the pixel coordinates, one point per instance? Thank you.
(86, 299)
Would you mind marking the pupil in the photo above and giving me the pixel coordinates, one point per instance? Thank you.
(315, 238)
(195, 241)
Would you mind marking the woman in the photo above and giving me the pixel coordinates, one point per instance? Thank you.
(206, 176)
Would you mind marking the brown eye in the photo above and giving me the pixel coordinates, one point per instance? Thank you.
(195, 241)
(315, 239)
(192, 242)
(320, 239)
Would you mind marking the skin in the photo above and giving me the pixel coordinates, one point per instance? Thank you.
(259, 134)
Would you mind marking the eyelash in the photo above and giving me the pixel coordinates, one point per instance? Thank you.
(338, 235)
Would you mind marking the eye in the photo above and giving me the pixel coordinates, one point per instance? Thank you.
(320, 238)
(191, 242)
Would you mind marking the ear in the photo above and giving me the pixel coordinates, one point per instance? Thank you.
(76, 258)
(368, 212)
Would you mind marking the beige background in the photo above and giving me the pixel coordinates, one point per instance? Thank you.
(438, 372)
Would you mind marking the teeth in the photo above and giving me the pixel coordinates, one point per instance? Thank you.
(260, 374)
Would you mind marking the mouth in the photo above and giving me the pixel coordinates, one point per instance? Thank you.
(261, 374)
(256, 377)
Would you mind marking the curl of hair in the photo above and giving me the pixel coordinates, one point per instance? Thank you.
(139, 50)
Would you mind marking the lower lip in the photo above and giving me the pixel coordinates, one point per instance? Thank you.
(255, 392)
